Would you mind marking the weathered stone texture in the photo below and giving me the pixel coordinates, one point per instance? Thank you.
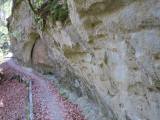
(110, 51)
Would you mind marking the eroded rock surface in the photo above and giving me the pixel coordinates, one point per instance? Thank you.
(110, 52)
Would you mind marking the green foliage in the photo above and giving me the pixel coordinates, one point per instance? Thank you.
(59, 11)
(38, 3)
(5, 11)
(56, 10)
(4, 43)
(39, 21)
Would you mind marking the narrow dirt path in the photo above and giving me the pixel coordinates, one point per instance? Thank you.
(47, 103)
(43, 97)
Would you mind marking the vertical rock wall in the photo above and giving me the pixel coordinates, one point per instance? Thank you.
(110, 51)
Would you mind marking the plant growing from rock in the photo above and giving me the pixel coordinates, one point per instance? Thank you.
(56, 10)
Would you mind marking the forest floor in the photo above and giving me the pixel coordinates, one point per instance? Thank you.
(48, 104)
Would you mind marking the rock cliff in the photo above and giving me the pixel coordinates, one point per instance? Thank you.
(109, 50)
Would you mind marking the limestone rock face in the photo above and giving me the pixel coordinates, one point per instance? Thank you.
(110, 52)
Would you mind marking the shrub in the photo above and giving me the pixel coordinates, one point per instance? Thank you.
(57, 10)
